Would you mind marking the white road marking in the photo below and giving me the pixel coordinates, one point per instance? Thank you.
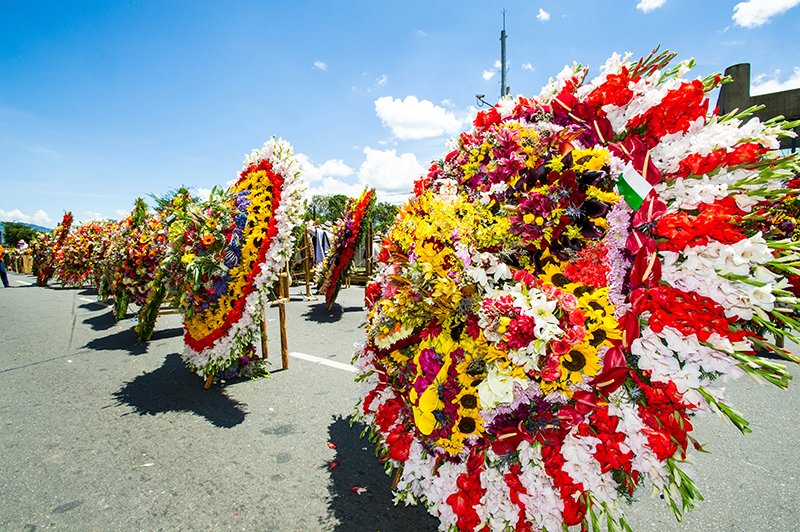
(323, 361)
(88, 300)
(22, 282)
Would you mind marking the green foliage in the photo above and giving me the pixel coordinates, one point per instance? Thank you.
(13, 232)
(383, 214)
(326, 207)
(139, 214)
(330, 208)
(148, 314)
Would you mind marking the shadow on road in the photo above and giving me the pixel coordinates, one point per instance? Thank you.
(163, 334)
(320, 313)
(172, 388)
(99, 322)
(358, 467)
(124, 340)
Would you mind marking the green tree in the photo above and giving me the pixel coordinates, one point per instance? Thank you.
(383, 216)
(326, 207)
(13, 232)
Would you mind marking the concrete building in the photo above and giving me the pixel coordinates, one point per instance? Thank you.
(736, 95)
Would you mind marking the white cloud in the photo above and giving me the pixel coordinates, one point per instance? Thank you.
(497, 63)
(416, 119)
(488, 74)
(329, 169)
(528, 66)
(330, 185)
(39, 217)
(646, 6)
(92, 216)
(388, 171)
(752, 13)
(763, 84)
(202, 193)
(321, 65)
(543, 16)
(381, 81)
(447, 103)
(122, 213)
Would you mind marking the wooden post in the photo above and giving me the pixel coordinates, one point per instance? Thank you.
(398, 473)
(209, 381)
(368, 253)
(284, 294)
(306, 262)
(264, 346)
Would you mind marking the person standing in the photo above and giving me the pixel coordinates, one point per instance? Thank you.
(3, 273)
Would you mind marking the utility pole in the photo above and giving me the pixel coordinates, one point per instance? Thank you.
(504, 90)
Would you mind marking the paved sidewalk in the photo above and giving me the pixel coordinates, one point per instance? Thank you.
(102, 433)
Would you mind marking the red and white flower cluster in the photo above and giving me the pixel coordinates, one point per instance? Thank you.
(534, 381)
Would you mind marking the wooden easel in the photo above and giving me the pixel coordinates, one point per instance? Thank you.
(283, 298)
(307, 251)
(368, 252)
(166, 308)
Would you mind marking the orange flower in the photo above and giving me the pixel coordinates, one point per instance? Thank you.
(208, 239)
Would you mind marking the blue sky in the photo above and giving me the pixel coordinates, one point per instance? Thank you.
(101, 102)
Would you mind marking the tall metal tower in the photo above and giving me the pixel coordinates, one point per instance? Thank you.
(504, 90)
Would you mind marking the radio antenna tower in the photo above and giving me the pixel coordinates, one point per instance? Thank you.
(504, 90)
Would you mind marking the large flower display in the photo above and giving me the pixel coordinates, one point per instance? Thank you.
(225, 254)
(75, 261)
(168, 210)
(134, 258)
(348, 233)
(46, 247)
(565, 290)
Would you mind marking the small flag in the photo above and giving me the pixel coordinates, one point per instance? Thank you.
(633, 187)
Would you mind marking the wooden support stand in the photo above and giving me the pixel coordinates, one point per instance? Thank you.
(398, 473)
(308, 252)
(283, 298)
(368, 252)
(166, 308)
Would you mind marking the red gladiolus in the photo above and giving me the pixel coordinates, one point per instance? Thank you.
(674, 114)
(486, 118)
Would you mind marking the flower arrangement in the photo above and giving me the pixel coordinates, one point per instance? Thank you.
(46, 247)
(135, 256)
(105, 256)
(224, 254)
(75, 260)
(565, 290)
(167, 212)
(348, 233)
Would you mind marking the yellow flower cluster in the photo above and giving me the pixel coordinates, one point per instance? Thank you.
(201, 325)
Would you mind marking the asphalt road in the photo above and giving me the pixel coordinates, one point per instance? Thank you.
(102, 433)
